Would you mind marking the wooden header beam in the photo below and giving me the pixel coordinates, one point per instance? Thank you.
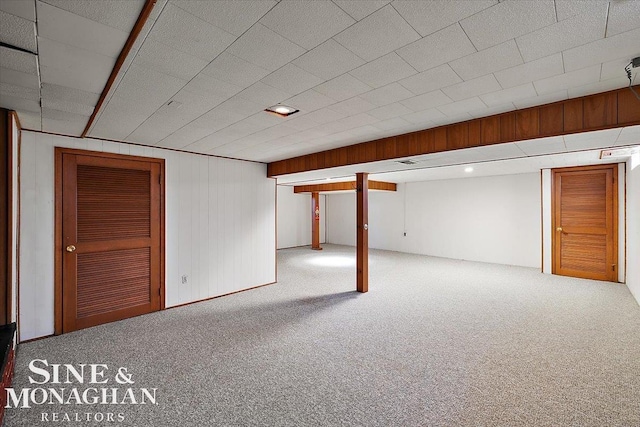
(605, 110)
(342, 186)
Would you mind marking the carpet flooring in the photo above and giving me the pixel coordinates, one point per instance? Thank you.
(435, 342)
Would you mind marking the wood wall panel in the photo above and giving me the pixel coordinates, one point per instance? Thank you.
(343, 186)
(601, 111)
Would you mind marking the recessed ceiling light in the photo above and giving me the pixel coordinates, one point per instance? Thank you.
(468, 169)
(281, 110)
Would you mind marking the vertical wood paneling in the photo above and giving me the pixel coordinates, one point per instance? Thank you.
(440, 139)
(204, 204)
(601, 111)
(458, 136)
(628, 107)
(573, 115)
(508, 127)
(490, 130)
(551, 119)
(527, 124)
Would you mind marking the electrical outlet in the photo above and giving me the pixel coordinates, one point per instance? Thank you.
(405, 234)
(185, 278)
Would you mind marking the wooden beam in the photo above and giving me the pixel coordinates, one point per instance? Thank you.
(616, 108)
(362, 225)
(343, 186)
(315, 221)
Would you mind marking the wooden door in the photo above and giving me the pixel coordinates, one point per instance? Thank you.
(109, 238)
(585, 222)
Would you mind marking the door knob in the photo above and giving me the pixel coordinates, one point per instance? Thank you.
(559, 229)
(71, 248)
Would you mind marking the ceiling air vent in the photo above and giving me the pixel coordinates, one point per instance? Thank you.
(407, 162)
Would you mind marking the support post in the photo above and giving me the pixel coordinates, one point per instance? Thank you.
(362, 225)
(315, 221)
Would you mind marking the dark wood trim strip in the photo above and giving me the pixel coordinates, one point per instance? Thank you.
(604, 110)
(142, 19)
(220, 296)
(343, 186)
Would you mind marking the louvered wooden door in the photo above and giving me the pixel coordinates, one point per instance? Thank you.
(110, 242)
(585, 213)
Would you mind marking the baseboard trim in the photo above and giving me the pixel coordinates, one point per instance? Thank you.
(220, 296)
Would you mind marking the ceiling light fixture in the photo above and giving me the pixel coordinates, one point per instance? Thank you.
(281, 110)
(468, 169)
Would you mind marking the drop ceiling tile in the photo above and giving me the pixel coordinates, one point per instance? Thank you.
(292, 79)
(307, 23)
(184, 136)
(572, 32)
(324, 115)
(19, 78)
(591, 140)
(30, 120)
(17, 103)
(117, 14)
(264, 120)
(168, 60)
(426, 101)
(265, 48)
(352, 122)
(383, 71)
(18, 61)
(9, 90)
(362, 8)
(308, 101)
(66, 127)
(232, 16)
(234, 70)
(241, 106)
(466, 106)
(506, 96)
(53, 92)
(142, 83)
(378, 34)
(603, 50)
(496, 58)
(18, 32)
(203, 83)
(427, 17)
(302, 123)
(430, 80)
(491, 111)
(472, 88)
(391, 124)
(536, 147)
(597, 87)
(387, 94)
(390, 111)
(328, 60)
(615, 69)
(628, 135)
(425, 117)
(217, 119)
(23, 9)
(278, 131)
(623, 16)
(438, 48)
(542, 99)
(72, 67)
(530, 71)
(67, 106)
(263, 94)
(77, 31)
(342, 87)
(568, 80)
(355, 105)
(508, 20)
(568, 8)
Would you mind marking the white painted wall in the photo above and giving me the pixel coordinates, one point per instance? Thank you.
(489, 219)
(15, 138)
(633, 225)
(220, 225)
(294, 218)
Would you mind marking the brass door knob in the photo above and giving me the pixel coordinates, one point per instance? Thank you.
(71, 248)
(559, 229)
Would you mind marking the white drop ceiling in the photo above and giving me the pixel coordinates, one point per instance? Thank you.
(201, 72)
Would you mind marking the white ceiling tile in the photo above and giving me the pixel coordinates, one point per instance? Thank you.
(361, 8)
(572, 32)
(328, 60)
(292, 79)
(188, 33)
(10, 90)
(23, 9)
(324, 115)
(309, 100)
(615, 69)
(301, 123)
(597, 87)
(184, 136)
(391, 124)
(390, 111)
(66, 127)
(17, 31)
(19, 78)
(591, 140)
(163, 58)
(342, 87)
(623, 16)
(74, 30)
(62, 93)
(206, 143)
(536, 147)
(353, 106)
(30, 120)
(530, 71)
(352, 122)
(629, 135)
(217, 119)
(263, 94)
(117, 14)
(426, 101)
(241, 106)
(507, 96)
(378, 34)
(18, 61)
(234, 70)
(603, 50)
(425, 117)
(387, 94)
(19, 104)
(67, 106)
(542, 99)
(508, 20)
(69, 66)
(568, 80)
(206, 84)
(427, 17)
(487, 61)
(308, 22)
(490, 111)
(232, 16)
(278, 131)
(568, 8)
(149, 85)
(438, 48)
(384, 70)
(265, 48)
(472, 88)
(467, 106)
(430, 80)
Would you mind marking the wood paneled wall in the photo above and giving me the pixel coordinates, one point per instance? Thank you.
(5, 215)
(601, 111)
(342, 186)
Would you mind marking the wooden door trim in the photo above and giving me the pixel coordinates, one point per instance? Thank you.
(614, 172)
(58, 203)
